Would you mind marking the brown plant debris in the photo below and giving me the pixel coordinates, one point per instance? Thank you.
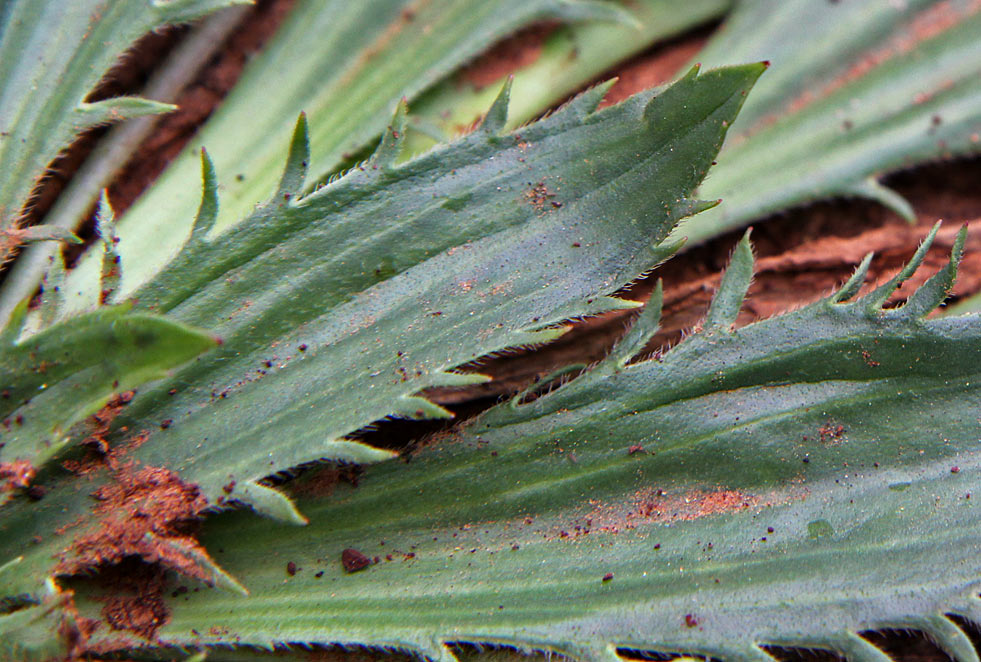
(353, 560)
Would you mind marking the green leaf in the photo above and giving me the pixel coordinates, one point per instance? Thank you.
(331, 349)
(43, 88)
(358, 60)
(857, 90)
(794, 482)
(53, 380)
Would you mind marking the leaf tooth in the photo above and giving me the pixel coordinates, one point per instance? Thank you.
(854, 282)
(937, 288)
(297, 163)
(591, 10)
(544, 381)
(728, 300)
(12, 563)
(643, 329)
(585, 104)
(969, 609)
(948, 636)
(111, 272)
(497, 115)
(600, 652)
(450, 378)
(435, 650)
(749, 652)
(858, 649)
(15, 324)
(533, 338)
(208, 209)
(51, 284)
(685, 207)
(36, 233)
(269, 502)
(871, 189)
(390, 147)
(117, 109)
(210, 571)
(873, 300)
(418, 408)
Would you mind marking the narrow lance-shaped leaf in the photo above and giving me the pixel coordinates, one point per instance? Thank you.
(791, 483)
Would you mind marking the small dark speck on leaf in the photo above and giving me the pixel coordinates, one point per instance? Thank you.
(608, 577)
(166, 423)
(240, 177)
(691, 620)
(302, 347)
(290, 568)
(769, 529)
(172, 391)
(353, 560)
(319, 574)
(955, 470)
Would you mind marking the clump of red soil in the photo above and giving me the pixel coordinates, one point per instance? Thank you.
(148, 513)
(16, 475)
(134, 599)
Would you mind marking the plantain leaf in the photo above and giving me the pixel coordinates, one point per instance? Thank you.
(859, 89)
(794, 482)
(358, 60)
(43, 88)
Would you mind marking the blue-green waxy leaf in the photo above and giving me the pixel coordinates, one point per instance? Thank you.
(402, 272)
(735, 493)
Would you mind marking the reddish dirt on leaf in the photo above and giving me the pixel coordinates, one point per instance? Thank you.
(134, 599)
(16, 475)
(147, 513)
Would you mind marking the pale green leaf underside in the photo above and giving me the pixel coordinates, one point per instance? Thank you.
(849, 430)
(858, 90)
(52, 53)
(346, 64)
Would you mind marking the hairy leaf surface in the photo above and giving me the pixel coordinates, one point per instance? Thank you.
(397, 274)
(793, 483)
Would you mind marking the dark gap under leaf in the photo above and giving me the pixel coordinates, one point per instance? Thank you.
(906, 645)
(798, 654)
(659, 656)
(467, 651)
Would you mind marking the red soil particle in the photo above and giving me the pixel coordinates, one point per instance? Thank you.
(691, 620)
(16, 475)
(539, 196)
(831, 433)
(290, 568)
(353, 560)
(636, 448)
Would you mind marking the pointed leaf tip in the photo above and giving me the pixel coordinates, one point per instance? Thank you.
(643, 329)
(390, 147)
(728, 300)
(938, 287)
(874, 300)
(497, 115)
(208, 209)
(297, 163)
